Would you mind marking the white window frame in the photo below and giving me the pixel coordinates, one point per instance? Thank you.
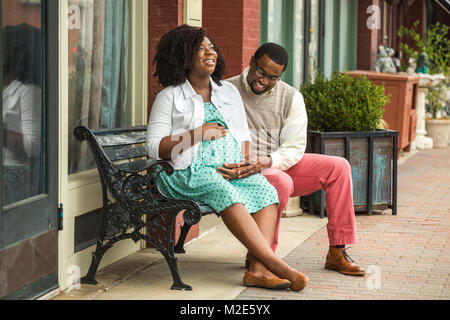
(81, 192)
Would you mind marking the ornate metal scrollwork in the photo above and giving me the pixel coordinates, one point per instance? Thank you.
(192, 216)
(156, 223)
(118, 222)
(136, 189)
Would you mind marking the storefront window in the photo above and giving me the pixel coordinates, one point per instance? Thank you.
(283, 22)
(99, 58)
(313, 46)
(22, 93)
(299, 44)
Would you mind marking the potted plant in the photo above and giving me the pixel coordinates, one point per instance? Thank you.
(400, 113)
(434, 43)
(432, 55)
(438, 122)
(345, 119)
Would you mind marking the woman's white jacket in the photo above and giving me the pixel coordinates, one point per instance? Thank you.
(179, 109)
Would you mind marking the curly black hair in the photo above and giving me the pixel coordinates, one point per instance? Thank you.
(175, 55)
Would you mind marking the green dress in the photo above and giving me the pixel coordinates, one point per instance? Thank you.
(202, 183)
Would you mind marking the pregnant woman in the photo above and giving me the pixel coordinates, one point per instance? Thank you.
(198, 122)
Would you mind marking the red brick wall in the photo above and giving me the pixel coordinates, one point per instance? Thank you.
(163, 15)
(251, 31)
(367, 39)
(234, 24)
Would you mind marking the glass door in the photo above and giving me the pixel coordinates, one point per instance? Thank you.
(297, 25)
(313, 45)
(29, 175)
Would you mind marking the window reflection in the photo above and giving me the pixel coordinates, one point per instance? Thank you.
(21, 100)
(99, 91)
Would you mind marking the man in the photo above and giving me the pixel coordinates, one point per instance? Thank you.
(277, 119)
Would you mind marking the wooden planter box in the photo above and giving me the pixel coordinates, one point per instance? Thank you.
(373, 158)
(400, 113)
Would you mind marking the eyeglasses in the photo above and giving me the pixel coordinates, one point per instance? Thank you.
(262, 74)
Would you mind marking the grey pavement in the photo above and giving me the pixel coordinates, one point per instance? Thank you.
(407, 256)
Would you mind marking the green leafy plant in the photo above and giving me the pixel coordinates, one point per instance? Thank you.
(436, 100)
(343, 103)
(434, 42)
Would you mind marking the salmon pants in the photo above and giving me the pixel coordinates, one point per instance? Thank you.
(312, 173)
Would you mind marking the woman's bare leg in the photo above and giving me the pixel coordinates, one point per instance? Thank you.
(244, 227)
(266, 220)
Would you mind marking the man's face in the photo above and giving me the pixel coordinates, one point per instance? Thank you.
(263, 74)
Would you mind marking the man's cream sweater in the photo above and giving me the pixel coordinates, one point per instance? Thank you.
(277, 121)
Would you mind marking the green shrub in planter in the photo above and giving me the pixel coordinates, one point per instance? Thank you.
(344, 114)
(343, 103)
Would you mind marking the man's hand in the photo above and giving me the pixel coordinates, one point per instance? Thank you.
(231, 171)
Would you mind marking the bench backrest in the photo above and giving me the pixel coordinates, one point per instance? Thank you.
(115, 145)
(122, 144)
(127, 181)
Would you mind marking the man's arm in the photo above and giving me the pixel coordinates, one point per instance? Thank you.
(292, 136)
(292, 144)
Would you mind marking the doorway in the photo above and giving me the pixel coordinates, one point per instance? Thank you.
(29, 135)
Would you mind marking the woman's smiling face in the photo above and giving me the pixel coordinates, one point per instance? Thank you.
(206, 59)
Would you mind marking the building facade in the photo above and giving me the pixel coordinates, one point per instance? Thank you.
(89, 62)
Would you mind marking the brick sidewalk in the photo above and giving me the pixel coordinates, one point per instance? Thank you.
(410, 251)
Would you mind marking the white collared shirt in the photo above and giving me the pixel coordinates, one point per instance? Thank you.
(179, 109)
(22, 114)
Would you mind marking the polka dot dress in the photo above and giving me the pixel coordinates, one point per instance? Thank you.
(202, 183)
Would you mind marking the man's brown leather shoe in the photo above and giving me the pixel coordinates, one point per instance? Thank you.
(273, 283)
(338, 259)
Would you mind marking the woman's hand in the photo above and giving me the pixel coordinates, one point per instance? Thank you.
(213, 131)
(244, 169)
(231, 171)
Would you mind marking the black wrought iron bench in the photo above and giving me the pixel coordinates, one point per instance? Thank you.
(133, 205)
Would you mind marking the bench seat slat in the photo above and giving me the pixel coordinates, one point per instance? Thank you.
(126, 153)
(121, 139)
(136, 165)
(205, 209)
(106, 131)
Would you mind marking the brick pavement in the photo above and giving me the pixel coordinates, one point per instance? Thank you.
(407, 256)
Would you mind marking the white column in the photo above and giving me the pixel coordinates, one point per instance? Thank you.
(426, 81)
(292, 208)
